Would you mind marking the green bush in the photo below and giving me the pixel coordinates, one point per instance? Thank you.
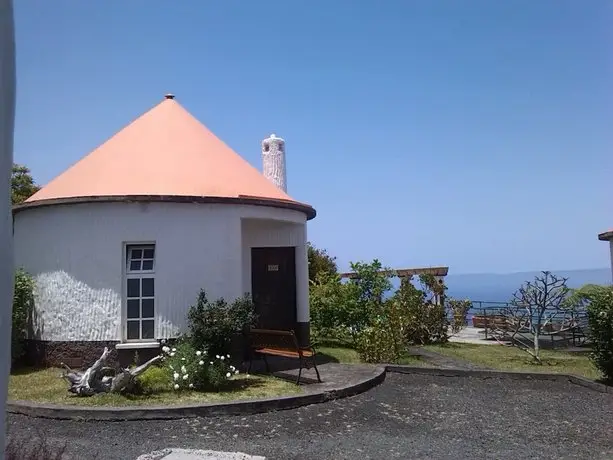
(330, 303)
(385, 340)
(426, 321)
(600, 317)
(23, 304)
(344, 309)
(213, 324)
(154, 380)
(188, 368)
(458, 310)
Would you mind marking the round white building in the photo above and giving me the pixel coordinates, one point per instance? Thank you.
(121, 243)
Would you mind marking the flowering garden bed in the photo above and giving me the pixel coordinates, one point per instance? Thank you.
(46, 386)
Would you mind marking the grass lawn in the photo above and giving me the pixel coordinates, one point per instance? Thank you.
(411, 360)
(339, 352)
(513, 359)
(338, 355)
(45, 386)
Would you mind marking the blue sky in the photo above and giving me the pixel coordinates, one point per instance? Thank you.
(475, 134)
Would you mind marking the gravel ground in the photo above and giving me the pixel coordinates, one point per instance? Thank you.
(407, 417)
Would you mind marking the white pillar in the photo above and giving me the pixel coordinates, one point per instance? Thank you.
(7, 120)
(302, 284)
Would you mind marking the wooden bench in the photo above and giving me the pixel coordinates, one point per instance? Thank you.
(266, 342)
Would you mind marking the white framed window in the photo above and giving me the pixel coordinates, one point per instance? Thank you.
(140, 292)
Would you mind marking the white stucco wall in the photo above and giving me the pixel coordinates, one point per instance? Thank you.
(75, 253)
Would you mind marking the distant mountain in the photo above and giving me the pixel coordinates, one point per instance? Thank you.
(500, 287)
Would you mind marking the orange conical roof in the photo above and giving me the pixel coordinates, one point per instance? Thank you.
(166, 152)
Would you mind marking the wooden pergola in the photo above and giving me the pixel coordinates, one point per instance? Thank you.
(438, 272)
(406, 272)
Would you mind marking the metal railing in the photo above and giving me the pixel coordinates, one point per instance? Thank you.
(560, 325)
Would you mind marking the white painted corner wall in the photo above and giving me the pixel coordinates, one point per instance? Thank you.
(75, 253)
(7, 123)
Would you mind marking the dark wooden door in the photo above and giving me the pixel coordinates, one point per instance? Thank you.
(273, 287)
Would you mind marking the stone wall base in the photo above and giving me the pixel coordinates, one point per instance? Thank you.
(81, 355)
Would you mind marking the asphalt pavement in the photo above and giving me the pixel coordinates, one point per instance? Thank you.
(407, 417)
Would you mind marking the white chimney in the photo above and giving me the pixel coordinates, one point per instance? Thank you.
(273, 161)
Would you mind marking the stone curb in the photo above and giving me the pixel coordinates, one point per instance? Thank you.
(489, 374)
(246, 407)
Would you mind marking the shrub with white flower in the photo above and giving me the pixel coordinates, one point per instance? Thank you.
(190, 368)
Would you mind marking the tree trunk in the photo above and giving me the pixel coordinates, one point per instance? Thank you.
(94, 380)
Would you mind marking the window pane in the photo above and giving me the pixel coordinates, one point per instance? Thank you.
(147, 264)
(133, 327)
(148, 253)
(136, 254)
(148, 290)
(133, 287)
(135, 265)
(133, 310)
(148, 329)
(147, 308)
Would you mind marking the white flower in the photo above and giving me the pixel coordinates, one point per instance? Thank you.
(232, 368)
(163, 341)
(211, 363)
(204, 352)
(183, 369)
(222, 358)
(185, 376)
(201, 362)
(236, 371)
(175, 375)
(228, 375)
(174, 349)
(172, 354)
(191, 385)
(176, 386)
(228, 356)
(182, 359)
(165, 349)
(171, 368)
(217, 356)
(198, 353)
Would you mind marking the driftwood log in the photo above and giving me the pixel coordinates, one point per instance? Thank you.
(100, 379)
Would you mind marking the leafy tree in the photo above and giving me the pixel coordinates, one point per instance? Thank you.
(22, 184)
(426, 320)
(320, 262)
(600, 315)
(579, 298)
(344, 309)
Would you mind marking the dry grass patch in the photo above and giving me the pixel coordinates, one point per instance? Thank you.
(45, 386)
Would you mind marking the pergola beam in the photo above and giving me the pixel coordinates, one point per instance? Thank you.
(406, 272)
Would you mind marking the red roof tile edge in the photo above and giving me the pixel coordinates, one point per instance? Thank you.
(241, 200)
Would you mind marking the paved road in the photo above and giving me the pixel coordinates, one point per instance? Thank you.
(407, 417)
